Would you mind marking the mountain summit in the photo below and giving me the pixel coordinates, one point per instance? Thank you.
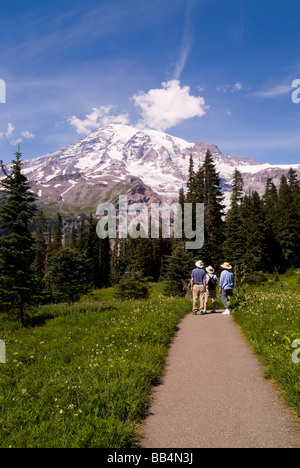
(146, 165)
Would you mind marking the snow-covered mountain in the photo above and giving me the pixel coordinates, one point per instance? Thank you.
(146, 165)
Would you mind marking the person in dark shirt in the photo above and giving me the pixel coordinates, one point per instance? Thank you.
(198, 285)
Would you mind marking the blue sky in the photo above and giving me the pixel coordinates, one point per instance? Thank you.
(219, 71)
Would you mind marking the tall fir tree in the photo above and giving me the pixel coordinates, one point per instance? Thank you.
(178, 267)
(73, 238)
(287, 221)
(48, 258)
(82, 237)
(17, 279)
(273, 250)
(254, 231)
(68, 275)
(234, 244)
(191, 192)
(97, 253)
(213, 198)
(57, 242)
(41, 245)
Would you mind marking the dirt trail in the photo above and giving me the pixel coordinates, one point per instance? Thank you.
(214, 394)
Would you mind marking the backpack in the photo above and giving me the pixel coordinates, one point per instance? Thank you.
(211, 284)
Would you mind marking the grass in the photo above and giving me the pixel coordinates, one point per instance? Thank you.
(270, 319)
(82, 377)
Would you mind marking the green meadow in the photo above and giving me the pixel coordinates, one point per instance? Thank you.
(270, 319)
(83, 374)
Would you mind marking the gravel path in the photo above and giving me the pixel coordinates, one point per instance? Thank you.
(214, 395)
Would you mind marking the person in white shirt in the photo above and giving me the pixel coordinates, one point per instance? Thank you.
(211, 288)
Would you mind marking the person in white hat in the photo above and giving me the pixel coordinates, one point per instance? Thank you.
(198, 285)
(226, 286)
(211, 288)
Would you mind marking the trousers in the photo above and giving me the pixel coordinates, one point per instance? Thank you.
(199, 291)
(226, 294)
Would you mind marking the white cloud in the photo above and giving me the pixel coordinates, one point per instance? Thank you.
(168, 106)
(99, 117)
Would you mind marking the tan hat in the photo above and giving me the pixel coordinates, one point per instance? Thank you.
(227, 266)
(210, 270)
(200, 264)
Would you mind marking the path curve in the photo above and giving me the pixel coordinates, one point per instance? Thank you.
(214, 394)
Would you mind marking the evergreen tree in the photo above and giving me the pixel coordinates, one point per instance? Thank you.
(73, 238)
(178, 267)
(237, 188)
(195, 192)
(181, 202)
(270, 200)
(287, 221)
(97, 253)
(105, 262)
(191, 183)
(68, 275)
(234, 245)
(199, 185)
(118, 261)
(212, 250)
(82, 237)
(57, 243)
(17, 280)
(133, 285)
(254, 230)
(48, 257)
(41, 246)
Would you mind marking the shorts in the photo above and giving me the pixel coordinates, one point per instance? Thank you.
(211, 295)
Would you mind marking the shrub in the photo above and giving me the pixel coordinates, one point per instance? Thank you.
(133, 285)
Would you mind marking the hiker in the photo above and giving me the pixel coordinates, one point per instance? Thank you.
(226, 286)
(211, 288)
(198, 285)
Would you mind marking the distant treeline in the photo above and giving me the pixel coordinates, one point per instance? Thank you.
(48, 264)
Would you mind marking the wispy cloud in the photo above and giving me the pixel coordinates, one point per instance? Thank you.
(275, 91)
(187, 41)
(9, 135)
(238, 86)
